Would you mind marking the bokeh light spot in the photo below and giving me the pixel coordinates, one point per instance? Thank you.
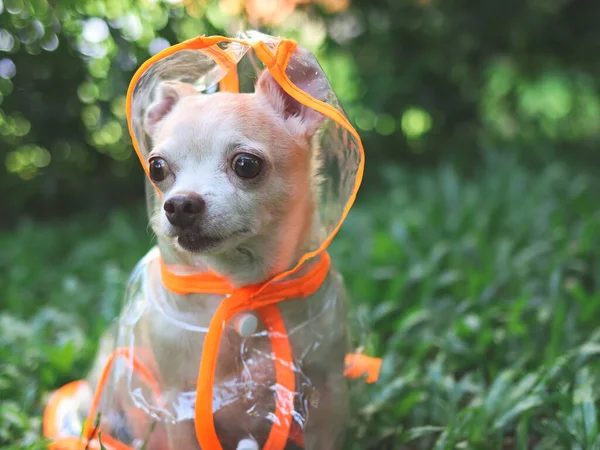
(415, 122)
(22, 126)
(26, 160)
(365, 119)
(90, 115)
(99, 67)
(50, 42)
(7, 68)
(88, 92)
(132, 27)
(158, 45)
(95, 30)
(14, 6)
(216, 16)
(117, 107)
(109, 134)
(231, 7)
(7, 41)
(6, 86)
(190, 28)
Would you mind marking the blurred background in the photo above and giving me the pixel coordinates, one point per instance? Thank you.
(472, 251)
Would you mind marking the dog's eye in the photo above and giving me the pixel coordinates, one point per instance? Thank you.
(158, 169)
(246, 165)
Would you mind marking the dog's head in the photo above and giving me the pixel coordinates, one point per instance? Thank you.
(233, 169)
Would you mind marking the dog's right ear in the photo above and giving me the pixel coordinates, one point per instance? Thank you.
(167, 96)
(304, 72)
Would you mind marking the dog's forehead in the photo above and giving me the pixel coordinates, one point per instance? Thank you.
(220, 117)
(203, 125)
(204, 116)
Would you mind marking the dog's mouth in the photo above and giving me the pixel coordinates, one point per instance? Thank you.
(202, 243)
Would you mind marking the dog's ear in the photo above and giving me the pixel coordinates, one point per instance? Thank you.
(167, 95)
(304, 71)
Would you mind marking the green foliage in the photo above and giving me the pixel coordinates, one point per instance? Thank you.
(423, 81)
(484, 297)
(479, 280)
(516, 75)
(62, 284)
(481, 293)
(62, 118)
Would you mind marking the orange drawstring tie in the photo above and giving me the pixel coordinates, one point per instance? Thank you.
(262, 300)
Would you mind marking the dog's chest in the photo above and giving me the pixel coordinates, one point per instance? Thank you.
(173, 328)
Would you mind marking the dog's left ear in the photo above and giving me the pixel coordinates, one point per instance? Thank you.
(167, 96)
(304, 71)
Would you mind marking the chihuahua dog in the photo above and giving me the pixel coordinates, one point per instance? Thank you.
(237, 175)
(236, 172)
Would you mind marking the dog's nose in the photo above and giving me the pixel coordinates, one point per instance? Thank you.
(183, 210)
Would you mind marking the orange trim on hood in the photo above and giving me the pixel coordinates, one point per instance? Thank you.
(276, 64)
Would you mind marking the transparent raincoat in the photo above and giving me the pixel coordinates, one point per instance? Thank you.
(194, 363)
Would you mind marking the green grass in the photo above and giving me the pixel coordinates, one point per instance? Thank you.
(482, 295)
